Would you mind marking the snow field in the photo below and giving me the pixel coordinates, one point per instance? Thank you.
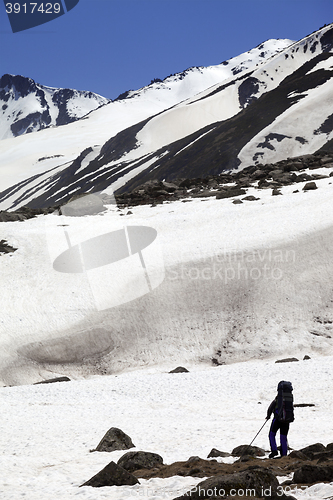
(48, 430)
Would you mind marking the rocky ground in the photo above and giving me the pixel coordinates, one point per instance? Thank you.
(250, 469)
(226, 185)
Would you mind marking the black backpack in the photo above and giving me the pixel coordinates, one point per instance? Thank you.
(285, 402)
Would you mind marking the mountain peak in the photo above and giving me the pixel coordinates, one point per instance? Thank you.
(26, 106)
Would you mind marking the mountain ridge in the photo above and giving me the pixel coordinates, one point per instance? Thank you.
(248, 117)
(28, 106)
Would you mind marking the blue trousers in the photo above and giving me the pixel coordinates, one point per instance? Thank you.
(284, 428)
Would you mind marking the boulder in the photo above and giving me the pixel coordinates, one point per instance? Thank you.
(206, 193)
(310, 186)
(323, 456)
(313, 448)
(309, 474)
(112, 475)
(135, 460)
(255, 482)
(298, 455)
(250, 198)
(216, 453)
(11, 217)
(114, 439)
(53, 380)
(169, 186)
(5, 248)
(179, 369)
(245, 449)
(286, 360)
(230, 193)
(258, 174)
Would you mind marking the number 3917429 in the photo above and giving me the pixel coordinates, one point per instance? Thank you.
(30, 8)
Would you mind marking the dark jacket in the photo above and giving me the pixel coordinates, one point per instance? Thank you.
(272, 407)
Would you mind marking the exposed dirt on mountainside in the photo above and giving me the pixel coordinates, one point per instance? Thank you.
(230, 185)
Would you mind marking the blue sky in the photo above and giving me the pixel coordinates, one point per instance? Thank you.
(110, 46)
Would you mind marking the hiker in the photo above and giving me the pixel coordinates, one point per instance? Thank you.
(283, 410)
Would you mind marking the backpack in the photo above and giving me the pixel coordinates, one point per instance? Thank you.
(285, 402)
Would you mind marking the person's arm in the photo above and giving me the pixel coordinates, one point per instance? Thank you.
(271, 409)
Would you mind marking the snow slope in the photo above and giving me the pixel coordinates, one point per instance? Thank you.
(233, 273)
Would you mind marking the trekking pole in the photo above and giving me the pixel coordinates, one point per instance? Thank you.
(245, 450)
(266, 420)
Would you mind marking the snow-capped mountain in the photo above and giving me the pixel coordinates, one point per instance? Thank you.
(250, 109)
(53, 150)
(27, 106)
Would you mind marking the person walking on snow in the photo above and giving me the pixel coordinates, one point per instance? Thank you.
(283, 410)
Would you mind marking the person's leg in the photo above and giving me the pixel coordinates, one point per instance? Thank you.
(272, 437)
(284, 428)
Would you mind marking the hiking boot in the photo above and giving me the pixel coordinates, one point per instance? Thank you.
(273, 454)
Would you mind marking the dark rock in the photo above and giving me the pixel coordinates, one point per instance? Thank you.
(230, 193)
(53, 380)
(327, 161)
(245, 458)
(306, 357)
(206, 194)
(216, 453)
(286, 360)
(323, 456)
(134, 460)
(237, 202)
(11, 216)
(179, 369)
(276, 192)
(114, 439)
(257, 481)
(319, 176)
(313, 448)
(250, 198)
(329, 447)
(245, 449)
(310, 186)
(160, 193)
(5, 248)
(258, 174)
(275, 174)
(303, 177)
(194, 458)
(298, 455)
(112, 475)
(309, 474)
(170, 187)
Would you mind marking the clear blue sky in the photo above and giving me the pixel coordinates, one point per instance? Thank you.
(110, 46)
